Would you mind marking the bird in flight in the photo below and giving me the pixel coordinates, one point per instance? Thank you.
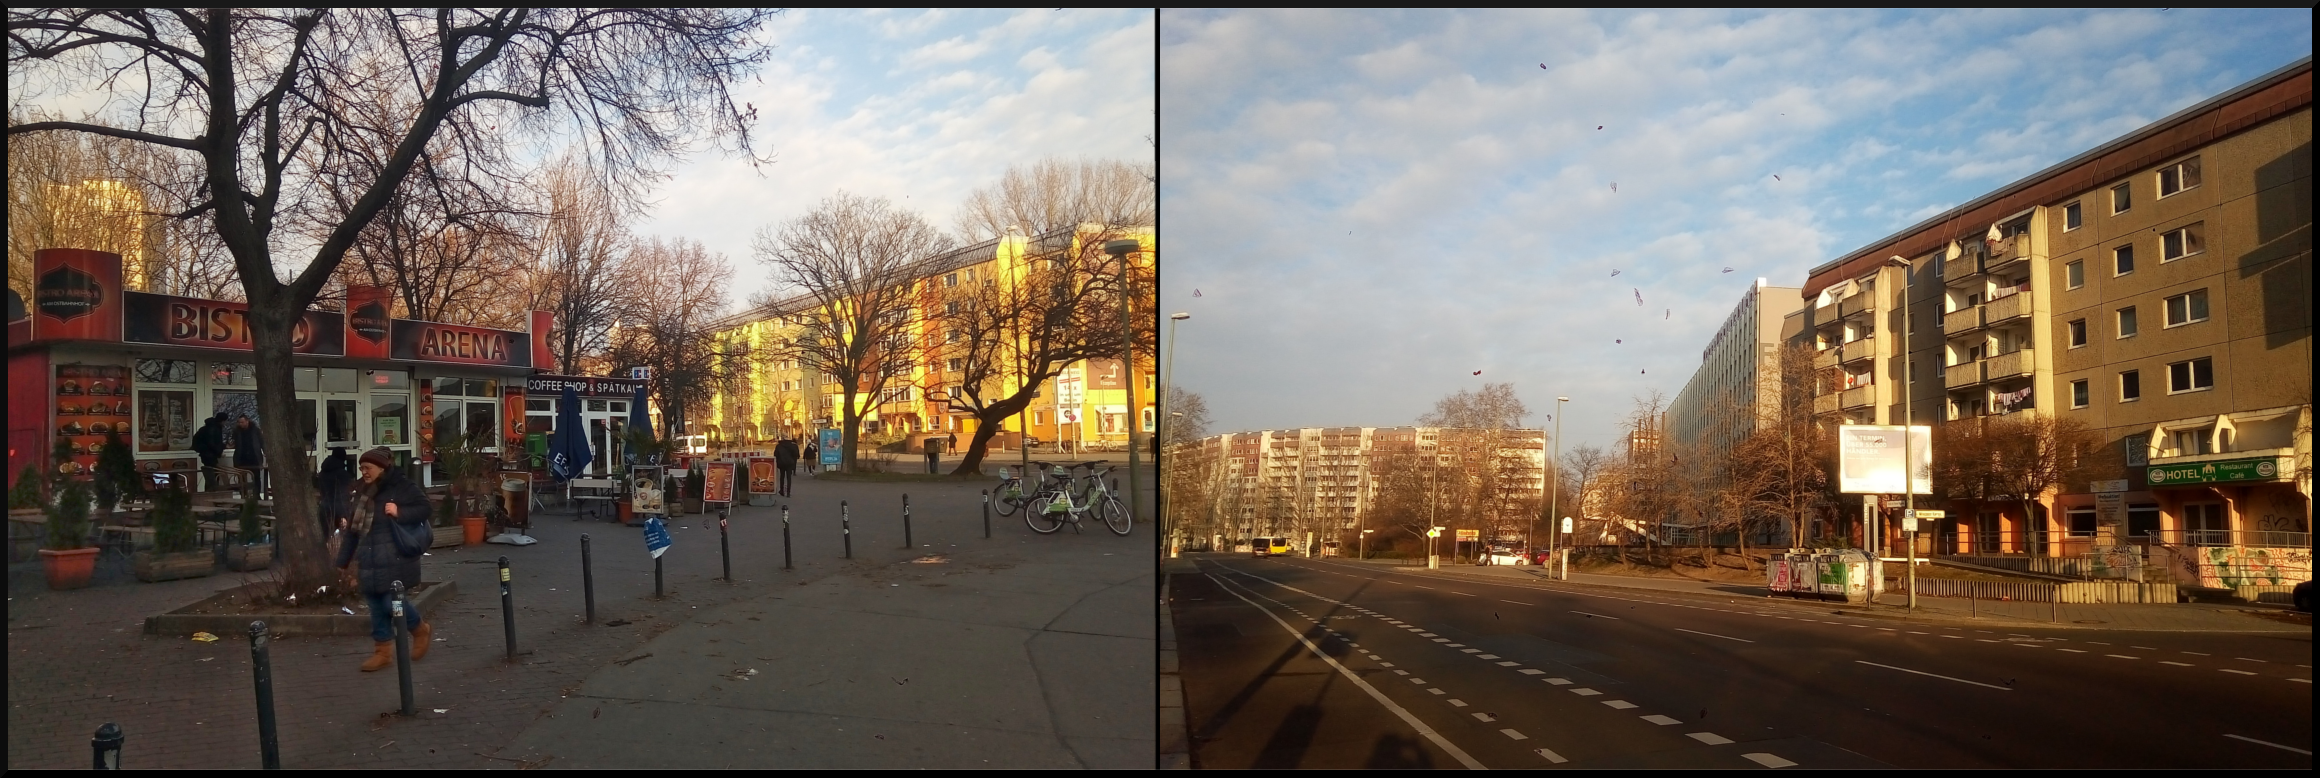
(1727, 270)
(1638, 297)
(1615, 187)
(1196, 293)
(1616, 340)
(1598, 126)
(1478, 372)
(1776, 176)
(1615, 273)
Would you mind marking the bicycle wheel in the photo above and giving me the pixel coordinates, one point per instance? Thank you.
(1116, 516)
(1003, 502)
(1036, 515)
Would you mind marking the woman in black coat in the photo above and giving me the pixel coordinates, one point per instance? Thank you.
(334, 485)
(384, 496)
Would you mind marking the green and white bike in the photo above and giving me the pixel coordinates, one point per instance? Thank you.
(1058, 502)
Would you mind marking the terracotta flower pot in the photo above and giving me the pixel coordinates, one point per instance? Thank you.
(627, 512)
(68, 569)
(472, 528)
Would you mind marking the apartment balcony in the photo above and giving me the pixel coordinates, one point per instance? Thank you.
(1825, 404)
(2006, 255)
(1857, 350)
(1962, 375)
(1966, 266)
(1858, 303)
(1965, 319)
(2006, 308)
(2009, 365)
(1859, 397)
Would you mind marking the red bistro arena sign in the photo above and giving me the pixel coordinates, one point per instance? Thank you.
(186, 321)
(423, 341)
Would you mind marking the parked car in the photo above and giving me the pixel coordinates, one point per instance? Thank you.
(2303, 596)
(1504, 555)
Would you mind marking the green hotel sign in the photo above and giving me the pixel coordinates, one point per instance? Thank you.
(2264, 469)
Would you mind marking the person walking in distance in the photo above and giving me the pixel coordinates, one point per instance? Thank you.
(331, 487)
(384, 495)
(250, 452)
(210, 443)
(813, 457)
(785, 458)
(933, 454)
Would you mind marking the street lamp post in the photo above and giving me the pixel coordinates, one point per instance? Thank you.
(1365, 543)
(1120, 249)
(1555, 487)
(1908, 421)
(1168, 381)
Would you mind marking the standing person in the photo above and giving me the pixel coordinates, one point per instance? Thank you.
(933, 454)
(210, 443)
(331, 487)
(785, 458)
(382, 496)
(813, 457)
(250, 452)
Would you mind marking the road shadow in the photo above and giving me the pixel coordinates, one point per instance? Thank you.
(1394, 752)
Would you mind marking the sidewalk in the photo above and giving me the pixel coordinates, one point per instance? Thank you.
(1023, 650)
(1892, 605)
(1175, 729)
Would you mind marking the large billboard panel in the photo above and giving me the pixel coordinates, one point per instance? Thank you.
(1870, 459)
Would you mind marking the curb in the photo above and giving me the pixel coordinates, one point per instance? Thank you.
(1175, 738)
(175, 624)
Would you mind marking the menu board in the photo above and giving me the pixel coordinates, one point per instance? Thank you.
(762, 476)
(164, 420)
(717, 482)
(92, 402)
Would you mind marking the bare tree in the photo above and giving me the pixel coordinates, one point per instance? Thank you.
(1061, 304)
(76, 190)
(2031, 454)
(673, 332)
(1187, 416)
(1789, 455)
(257, 100)
(581, 273)
(1495, 406)
(855, 260)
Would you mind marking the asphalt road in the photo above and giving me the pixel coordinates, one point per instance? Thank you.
(1429, 671)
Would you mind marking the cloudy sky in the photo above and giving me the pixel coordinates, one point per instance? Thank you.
(1361, 209)
(921, 107)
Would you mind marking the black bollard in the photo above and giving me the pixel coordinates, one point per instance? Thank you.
(785, 561)
(906, 522)
(262, 670)
(403, 650)
(986, 513)
(846, 528)
(106, 747)
(507, 608)
(657, 578)
(587, 578)
(724, 545)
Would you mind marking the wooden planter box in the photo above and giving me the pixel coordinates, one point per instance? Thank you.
(151, 566)
(243, 559)
(447, 537)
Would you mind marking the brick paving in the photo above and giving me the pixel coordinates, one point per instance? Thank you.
(78, 659)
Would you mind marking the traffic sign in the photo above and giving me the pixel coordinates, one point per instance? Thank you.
(1566, 525)
(1470, 534)
(1892, 502)
(656, 536)
(1925, 514)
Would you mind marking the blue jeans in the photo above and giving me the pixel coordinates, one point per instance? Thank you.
(383, 616)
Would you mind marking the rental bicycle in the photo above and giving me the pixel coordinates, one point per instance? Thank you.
(1059, 501)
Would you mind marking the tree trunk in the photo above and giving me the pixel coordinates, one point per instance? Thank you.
(987, 425)
(304, 565)
(851, 420)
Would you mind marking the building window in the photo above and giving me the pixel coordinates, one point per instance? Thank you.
(2178, 177)
(2122, 198)
(1039, 418)
(2070, 217)
(951, 280)
(957, 365)
(2187, 308)
(2077, 333)
(2192, 376)
(2123, 260)
(2078, 393)
(2130, 386)
(2127, 322)
(2191, 443)
(2182, 242)
(2074, 275)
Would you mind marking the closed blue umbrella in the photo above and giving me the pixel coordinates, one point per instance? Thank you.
(568, 454)
(639, 420)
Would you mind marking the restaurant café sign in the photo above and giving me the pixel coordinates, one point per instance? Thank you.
(2262, 469)
(167, 320)
(426, 341)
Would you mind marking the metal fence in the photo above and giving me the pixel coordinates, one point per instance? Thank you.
(2078, 593)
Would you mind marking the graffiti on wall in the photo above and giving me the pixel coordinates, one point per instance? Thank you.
(2116, 562)
(2228, 567)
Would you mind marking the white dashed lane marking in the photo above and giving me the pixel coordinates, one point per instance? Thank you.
(1659, 719)
(1768, 760)
(1709, 738)
(1550, 755)
(1619, 704)
(1513, 735)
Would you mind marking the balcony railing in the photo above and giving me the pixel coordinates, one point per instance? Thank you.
(1858, 303)
(1962, 375)
(2006, 308)
(1965, 319)
(1964, 266)
(1859, 396)
(1825, 358)
(2016, 363)
(1825, 404)
(2006, 252)
(1858, 350)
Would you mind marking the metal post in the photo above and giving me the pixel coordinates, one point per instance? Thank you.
(986, 513)
(906, 521)
(657, 578)
(403, 649)
(507, 607)
(725, 543)
(262, 671)
(106, 747)
(1119, 249)
(846, 527)
(587, 578)
(785, 559)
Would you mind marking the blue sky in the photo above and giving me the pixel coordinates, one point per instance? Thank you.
(1372, 205)
(921, 107)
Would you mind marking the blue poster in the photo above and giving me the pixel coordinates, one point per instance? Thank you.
(656, 535)
(830, 441)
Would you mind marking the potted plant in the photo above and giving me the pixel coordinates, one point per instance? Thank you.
(695, 482)
(176, 552)
(463, 462)
(445, 523)
(68, 558)
(673, 489)
(29, 493)
(116, 477)
(251, 550)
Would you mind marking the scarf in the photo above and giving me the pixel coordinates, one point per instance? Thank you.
(365, 493)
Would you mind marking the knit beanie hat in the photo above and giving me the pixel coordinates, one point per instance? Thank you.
(379, 456)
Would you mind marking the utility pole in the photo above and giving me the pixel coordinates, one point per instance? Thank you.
(1120, 249)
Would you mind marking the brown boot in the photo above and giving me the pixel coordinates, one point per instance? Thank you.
(421, 636)
(382, 656)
